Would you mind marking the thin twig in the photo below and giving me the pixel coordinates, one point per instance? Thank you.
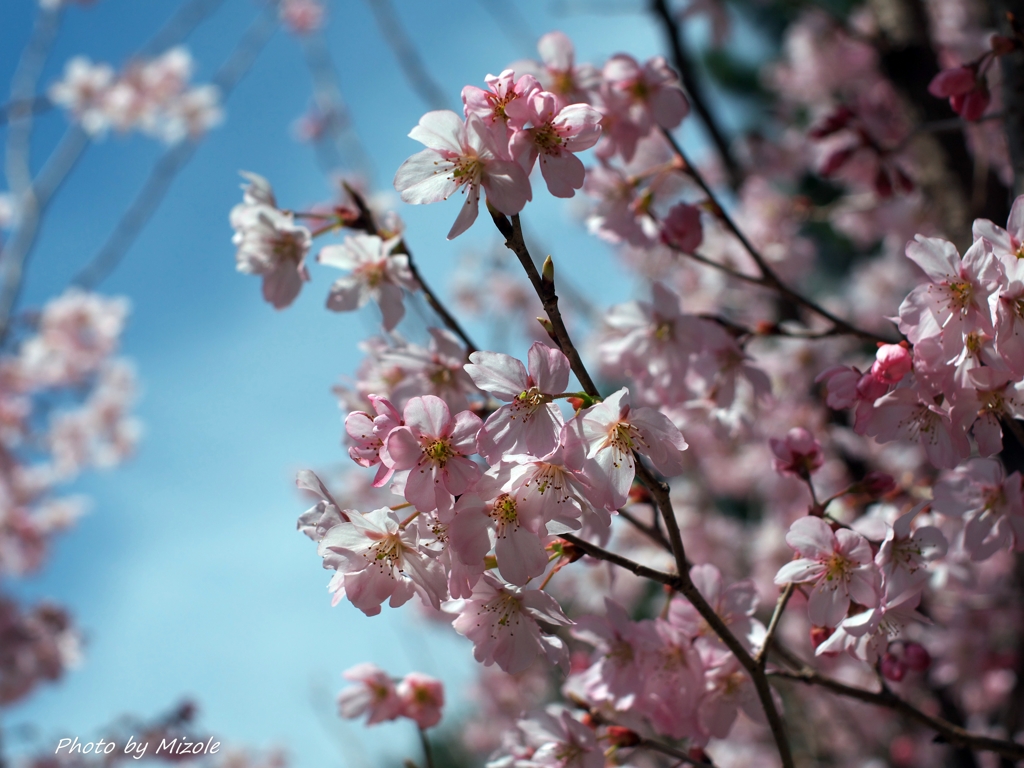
(686, 69)
(762, 655)
(685, 586)
(368, 223)
(34, 106)
(954, 734)
(428, 755)
(653, 533)
(412, 65)
(177, 157)
(768, 278)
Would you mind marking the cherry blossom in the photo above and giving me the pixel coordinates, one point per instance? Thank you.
(462, 156)
(431, 450)
(379, 558)
(531, 422)
(839, 565)
(502, 622)
(378, 273)
(373, 695)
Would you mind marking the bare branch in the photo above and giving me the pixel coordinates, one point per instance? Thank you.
(685, 67)
(768, 278)
(413, 66)
(176, 158)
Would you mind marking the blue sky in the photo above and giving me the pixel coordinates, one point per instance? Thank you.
(187, 575)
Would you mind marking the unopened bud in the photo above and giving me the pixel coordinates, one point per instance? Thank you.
(892, 668)
(916, 657)
(575, 402)
(620, 736)
(589, 720)
(547, 272)
(877, 484)
(548, 327)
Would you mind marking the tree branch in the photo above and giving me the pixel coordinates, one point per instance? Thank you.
(768, 278)
(953, 734)
(686, 69)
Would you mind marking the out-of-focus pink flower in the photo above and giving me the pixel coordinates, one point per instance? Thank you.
(302, 16)
(798, 454)
(377, 273)
(374, 695)
(462, 156)
(681, 228)
(422, 699)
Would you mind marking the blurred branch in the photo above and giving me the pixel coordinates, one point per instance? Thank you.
(688, 74)
(344, 147)
(1013, 90)
(767, 278)
(177, 157)
(885, 698)
(188, 16)
(368, 224)
(32, 106)
(511, 23)
(413, 67)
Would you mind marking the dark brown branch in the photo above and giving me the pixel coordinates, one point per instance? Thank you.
(687, 73)
(953, 734)
(768, 278)
(368, 223)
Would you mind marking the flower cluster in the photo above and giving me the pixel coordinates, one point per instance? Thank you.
(522, 118)
(416, 696)
(152, 96)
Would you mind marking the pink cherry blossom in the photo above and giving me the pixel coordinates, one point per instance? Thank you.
(374, 695)
(555, 136)
(505, 103)
(422, 699)
(502, 621)
(991, 503)
(561, 741)
(431, 450)
(378, 273)
(379, 558)
(904, 553)
(462, 156)
(650, 94)
(531, 422)
(270, 244)
(612, 430)
(798, 454)
(839, 565)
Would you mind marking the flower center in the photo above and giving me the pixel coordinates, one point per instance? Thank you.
(438, 451)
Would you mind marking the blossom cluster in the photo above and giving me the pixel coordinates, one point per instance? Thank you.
(532, 515)
(65, 401)
(416, 696)
(153, 96)
(546, 112)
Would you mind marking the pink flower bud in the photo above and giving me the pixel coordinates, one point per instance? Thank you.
(878, 483)
(892, 363)
(892, 668)
(916, 657)
(1001, 45)
(798, 454)
(682, 229)
(953, 82)
(971, 106)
